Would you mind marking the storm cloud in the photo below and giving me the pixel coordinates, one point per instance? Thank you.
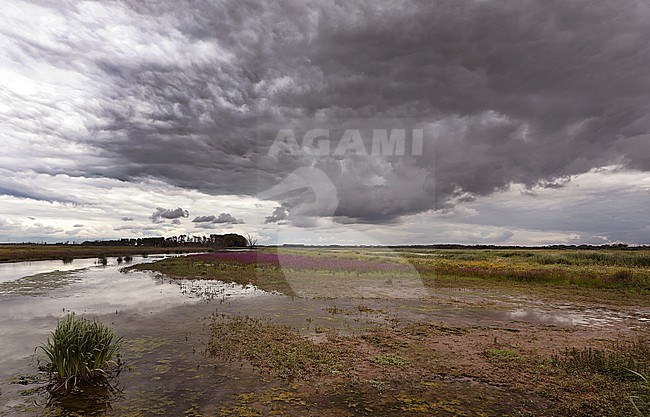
(194, 94)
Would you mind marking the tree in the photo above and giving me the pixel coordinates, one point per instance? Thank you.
(251, 241)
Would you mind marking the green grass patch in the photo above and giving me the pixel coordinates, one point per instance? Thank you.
(271, 347)
(389, 360)
(504, 354)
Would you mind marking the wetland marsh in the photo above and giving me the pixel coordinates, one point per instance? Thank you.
(344, 332)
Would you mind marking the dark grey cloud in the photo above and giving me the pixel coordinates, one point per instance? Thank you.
(227, 218)
(279, 214)
(162, 214)
(204, 219)
(207, 226)
(511, 91)
(127, 219)
(37, 194)
(222, 218)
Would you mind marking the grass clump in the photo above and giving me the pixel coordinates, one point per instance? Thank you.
(616, 361)
(79, 351)
(506, 354)
(390, 360)
(641, 399)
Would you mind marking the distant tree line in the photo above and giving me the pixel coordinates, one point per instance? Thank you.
(619, 246)
(623, 246)
(229, 240)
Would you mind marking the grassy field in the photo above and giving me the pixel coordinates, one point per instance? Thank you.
(598, 272)
(405, 362)
(17, 253)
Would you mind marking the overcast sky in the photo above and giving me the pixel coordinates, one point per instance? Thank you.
(159, 118)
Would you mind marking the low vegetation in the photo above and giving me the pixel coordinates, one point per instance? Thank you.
(270, 347)
(641, 398)
(268, 268)
(627, 270)
(79, 351)
(389, 360)
(502, 354)
(620, 359)
(393, 370)
(513, 368)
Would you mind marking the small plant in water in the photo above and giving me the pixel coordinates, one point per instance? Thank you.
(79, 351)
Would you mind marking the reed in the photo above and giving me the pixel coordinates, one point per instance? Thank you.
(79, 351)
(641, 399)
